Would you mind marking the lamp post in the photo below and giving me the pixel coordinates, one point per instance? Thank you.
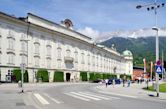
(154, 6)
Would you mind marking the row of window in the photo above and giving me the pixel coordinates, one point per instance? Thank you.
(91, 60)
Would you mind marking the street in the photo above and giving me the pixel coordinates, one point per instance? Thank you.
(71, 96)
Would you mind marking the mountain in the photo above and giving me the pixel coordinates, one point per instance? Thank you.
(141, 47)
(145, 32)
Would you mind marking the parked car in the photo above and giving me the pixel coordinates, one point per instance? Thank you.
(117, 81)
(97, 81)
(110, 81)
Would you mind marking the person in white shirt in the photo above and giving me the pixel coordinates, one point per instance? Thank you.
(106, 82)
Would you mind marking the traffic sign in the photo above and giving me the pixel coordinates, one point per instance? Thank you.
(158, 69)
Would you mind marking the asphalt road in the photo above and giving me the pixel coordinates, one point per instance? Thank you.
(85, 96)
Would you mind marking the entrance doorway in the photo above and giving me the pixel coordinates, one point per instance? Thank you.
(68, 76)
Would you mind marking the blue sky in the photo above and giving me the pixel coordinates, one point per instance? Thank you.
(96, 15)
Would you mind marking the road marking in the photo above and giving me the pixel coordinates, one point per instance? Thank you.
(93, 98)
(93, 95)
(56, 101)
(75, 96)
(41, 99)
(129, 96)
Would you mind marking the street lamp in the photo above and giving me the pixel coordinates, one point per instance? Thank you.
(154, 6)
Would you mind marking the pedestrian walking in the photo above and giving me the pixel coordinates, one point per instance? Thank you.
(123, 82)
(106, 82)
(128, 82)
(124, 79)
(113, 82)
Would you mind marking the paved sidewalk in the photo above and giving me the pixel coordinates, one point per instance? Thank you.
(11, 98)
(134, 91)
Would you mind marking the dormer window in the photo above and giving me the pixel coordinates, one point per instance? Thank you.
(67, 23)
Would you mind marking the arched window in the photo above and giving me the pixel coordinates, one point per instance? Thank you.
(59, 63)
(37, 61)
(82, 58)
(0, 57)
(68, 52)
(0, 39)
(59, 53)
(11, 40)
(48, 63)
(11, 58)
(24, 59)
(76, 56)
(96, 60)
(37, 45)
(93, 60)
(48, 47)
(48, 50)
(88, 58)
(11, 44)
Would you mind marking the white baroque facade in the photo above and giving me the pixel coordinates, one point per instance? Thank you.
(40, 43)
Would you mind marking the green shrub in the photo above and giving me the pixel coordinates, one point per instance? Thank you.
(26, 78)
(18, 76)
(58, 76)
(83, 75)
(104, 76)
(128, 76)
(43, 75)
(124, 76)
(92, 76)
(95, 76)
(98, 76)
(109, 75)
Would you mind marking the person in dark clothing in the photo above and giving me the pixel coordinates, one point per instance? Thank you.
(123, 82)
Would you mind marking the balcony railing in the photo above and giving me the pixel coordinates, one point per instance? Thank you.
(10, 50)
(23, 52)
(37, 55)
(10, 36)
(48, 56)
(68, 59)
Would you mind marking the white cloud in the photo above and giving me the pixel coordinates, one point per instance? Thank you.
(88, 31)
(95, 34)
(103, 36)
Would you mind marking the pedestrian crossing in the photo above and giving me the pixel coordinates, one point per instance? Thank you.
(45, 99)
(41, 99)
(89, 96)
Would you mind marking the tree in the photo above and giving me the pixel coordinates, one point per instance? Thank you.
(83, 76)
(58, 76)
(43, 75)
(17, 75)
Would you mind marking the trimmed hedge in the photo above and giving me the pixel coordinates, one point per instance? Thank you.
(109, 75)
(104, 75)
(95, 76)
(43, 74)
(17, 75)
(26, 78)
(92, 76)
(83, 75)
(98, 76)
(58, 76)
(128, 76)
(124, 76)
